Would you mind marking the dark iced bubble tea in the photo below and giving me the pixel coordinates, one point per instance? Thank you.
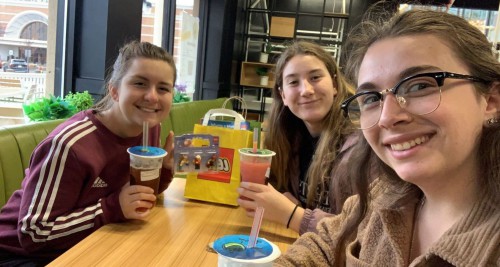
(145, 166)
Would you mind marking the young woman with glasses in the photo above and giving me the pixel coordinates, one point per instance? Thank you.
(310, 137)
(427, 102)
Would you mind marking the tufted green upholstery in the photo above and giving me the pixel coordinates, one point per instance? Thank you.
(183, 116)
(18, 142)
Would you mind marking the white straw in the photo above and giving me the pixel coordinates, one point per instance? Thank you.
(254, 233)
(145, 135)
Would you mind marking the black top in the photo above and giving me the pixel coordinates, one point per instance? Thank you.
(306, 153)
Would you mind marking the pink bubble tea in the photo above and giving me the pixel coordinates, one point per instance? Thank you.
(255, 166)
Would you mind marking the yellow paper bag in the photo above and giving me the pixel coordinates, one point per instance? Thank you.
(220, 187)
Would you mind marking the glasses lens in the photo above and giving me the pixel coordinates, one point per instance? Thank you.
(419, 95)
(364, 110)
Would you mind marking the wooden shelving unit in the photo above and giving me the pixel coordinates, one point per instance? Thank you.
(249, 75)
(278, 22)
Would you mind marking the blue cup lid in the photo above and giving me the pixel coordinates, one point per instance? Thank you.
(149, 151)
(235, 246)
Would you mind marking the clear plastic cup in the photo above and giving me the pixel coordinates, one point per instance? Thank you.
(145, 166)
(254, 166)
(233, 252)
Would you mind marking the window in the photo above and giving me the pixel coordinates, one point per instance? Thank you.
(185, 36)
(186, 43)
(484, 20)
(24, 26)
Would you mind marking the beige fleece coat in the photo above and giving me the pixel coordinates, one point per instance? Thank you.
(383, 238)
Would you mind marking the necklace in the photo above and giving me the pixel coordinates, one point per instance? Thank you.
(416, 213)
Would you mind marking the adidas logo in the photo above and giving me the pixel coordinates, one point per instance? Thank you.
(99, 183)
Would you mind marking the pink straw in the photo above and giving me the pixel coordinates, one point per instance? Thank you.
(257, 221)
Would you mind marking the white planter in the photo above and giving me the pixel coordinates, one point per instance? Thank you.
(264, 80)
(263, 57)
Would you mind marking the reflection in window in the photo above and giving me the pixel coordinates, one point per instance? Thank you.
(23, 38)
(185, 39)
(186, 43)
(152, 14)
(484, 20)
(35, 31)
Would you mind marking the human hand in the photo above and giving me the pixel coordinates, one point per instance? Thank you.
(291, 197)
(276, 205)
(168, 161)
(136, 201)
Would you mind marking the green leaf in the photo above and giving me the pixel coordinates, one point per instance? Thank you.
(80, 100)
(48, 108)
(181, 97)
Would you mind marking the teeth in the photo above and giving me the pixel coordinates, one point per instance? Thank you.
(148, 109)
(409, 144)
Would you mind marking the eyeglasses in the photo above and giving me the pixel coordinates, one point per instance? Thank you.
(418, 94)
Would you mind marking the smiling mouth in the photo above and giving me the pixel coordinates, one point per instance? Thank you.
(409, 144)
(309, 102)
(149, 110)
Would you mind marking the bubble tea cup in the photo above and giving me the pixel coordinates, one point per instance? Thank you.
(232, 251)
(145, 166)
(255, 166)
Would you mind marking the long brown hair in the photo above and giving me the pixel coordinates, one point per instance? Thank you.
(471, 47)
(282, 137)
(127, 53)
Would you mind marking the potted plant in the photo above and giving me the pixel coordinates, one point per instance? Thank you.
(80, 100)
(52, 107)
(180, 94)
(263, 72)
(264, 55)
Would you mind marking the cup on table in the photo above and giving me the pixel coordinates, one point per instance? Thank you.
(233, 252)
(145, 166)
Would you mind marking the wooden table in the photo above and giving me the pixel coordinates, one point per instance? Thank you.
(176, 234)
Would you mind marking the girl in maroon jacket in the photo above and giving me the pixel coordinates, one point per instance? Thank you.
(78, 178)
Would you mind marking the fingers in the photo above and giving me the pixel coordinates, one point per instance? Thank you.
(137, 189)
(254, 186)
(142, 208)
(136, 212)
(149, 197)
(136, 201)
(245, 193)
(248, 205)
(254, 191)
